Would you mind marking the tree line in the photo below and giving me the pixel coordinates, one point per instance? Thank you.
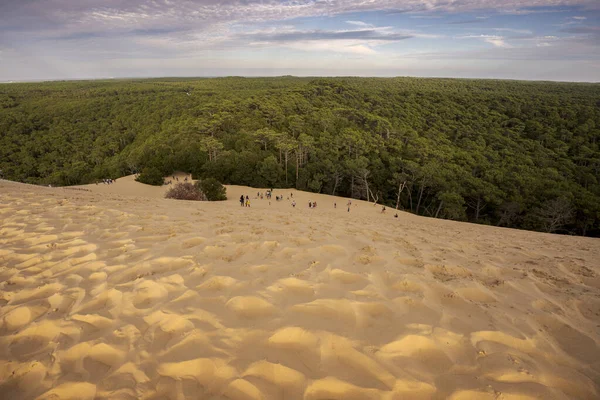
(507, 153)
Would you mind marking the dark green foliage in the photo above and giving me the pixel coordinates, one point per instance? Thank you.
(185, 191)
(212, 189)
(507, 153)
(151, 176)
(270, 170)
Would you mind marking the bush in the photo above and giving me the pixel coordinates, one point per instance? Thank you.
(185, 191)
(151, 176)
(213, 189)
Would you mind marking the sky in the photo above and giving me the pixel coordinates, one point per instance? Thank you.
(508, 39)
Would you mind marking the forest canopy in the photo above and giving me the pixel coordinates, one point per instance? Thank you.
(507, 153)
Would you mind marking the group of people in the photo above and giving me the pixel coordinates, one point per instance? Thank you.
(107, 181)
(245, 201)
(267, 194)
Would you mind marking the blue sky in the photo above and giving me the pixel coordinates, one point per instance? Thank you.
(80, 39)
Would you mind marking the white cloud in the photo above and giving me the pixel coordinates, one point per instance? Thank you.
(497, 41)
(580, 18)
(536, 41)
(359, 42)
(360, 23)
(335, 46)
(425, 35)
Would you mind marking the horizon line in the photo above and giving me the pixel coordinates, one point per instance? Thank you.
(279, 76)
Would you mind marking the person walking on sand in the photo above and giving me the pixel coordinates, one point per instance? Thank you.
(334, 205)
(383, 209)
(242, 200)
(294, 203)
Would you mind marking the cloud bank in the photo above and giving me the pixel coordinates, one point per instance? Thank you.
(85, 38)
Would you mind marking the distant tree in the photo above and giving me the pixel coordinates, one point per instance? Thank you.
(212, 146)
(151, 176)
(451, 205)
(263, 136)
(212, 189)
(270, 170)
(285, 145)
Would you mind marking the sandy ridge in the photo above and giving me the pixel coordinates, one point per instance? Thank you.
(114, 292)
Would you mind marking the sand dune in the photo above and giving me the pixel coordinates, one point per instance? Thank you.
(113, 292)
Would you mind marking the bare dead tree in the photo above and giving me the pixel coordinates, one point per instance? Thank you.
(478, 205)
(337, 176)
(375, 199)
(401, 187)
(555, 214)
(362, 176)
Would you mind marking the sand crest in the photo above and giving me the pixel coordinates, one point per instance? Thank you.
(111, 291)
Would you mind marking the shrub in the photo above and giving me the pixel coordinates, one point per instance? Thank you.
(185, 191)
(151, 176)
(213, 189)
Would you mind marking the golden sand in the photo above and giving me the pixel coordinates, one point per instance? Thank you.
(113, 292)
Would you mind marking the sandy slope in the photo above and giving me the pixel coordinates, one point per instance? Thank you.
(109, 293)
